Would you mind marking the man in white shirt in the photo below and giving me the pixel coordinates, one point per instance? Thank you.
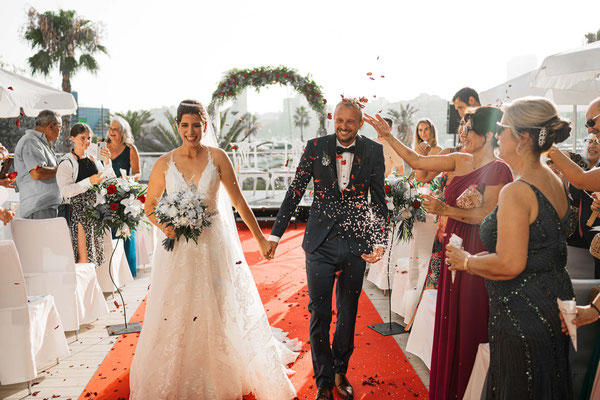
(343, 231)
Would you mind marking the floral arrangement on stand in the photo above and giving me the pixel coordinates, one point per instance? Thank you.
(236, 80)
(119, 205)
(405, 205)
(185, 212)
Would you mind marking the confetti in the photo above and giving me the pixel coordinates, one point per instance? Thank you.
(116, 304)
(238, 262)
(10, 88)
(369, 73)
(328, 117)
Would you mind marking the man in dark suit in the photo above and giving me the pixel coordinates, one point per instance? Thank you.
(343, 231)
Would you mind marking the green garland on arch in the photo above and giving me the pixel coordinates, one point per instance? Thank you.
(236, 80)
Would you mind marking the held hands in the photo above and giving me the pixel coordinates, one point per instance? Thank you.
(272, 247)
(266, 248)
(433, 205)
(585, 315)
(375, 256)
(96, 179)
(383, 129)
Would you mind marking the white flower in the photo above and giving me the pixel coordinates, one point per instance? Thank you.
(183, 221)
(172, 212)
(123, 231)
(100, 199)
(390, 205)
(132, 205)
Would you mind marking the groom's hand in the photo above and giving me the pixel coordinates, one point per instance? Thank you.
(375, 255)
(271, 253)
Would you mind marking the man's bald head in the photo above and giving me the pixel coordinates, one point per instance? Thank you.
(592, 117)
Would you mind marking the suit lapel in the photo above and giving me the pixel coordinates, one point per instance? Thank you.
(357, 162)
(331, 152)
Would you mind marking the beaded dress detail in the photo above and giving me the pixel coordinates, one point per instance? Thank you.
(529, 355)
(205, 332)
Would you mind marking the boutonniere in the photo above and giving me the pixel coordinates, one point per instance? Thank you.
(326, 160)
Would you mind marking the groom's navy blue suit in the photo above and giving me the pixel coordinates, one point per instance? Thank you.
(341, 227)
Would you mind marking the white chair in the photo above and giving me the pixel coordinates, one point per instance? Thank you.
(245, 162)
(48, 264)
(31, 332)
(291, 158)
(120, 268)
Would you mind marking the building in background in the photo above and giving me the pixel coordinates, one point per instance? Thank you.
(93, 116)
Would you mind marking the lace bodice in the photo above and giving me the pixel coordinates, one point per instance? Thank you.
(208, 184)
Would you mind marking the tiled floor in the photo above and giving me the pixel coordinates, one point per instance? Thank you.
(68, 378)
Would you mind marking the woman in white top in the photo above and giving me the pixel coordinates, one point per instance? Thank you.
(76, 174)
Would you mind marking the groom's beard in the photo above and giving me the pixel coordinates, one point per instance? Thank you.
(346, 138)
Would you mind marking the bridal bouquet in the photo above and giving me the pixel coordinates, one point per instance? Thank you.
(404, 204)
(185, 212)
(119, 205)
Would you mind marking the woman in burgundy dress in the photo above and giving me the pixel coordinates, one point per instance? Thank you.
(462, 304)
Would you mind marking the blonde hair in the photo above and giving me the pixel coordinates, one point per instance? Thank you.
(532, 114)
(418, 140)
(353, 104)
(124, 129)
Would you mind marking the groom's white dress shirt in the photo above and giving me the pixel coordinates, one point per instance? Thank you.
(343, 163)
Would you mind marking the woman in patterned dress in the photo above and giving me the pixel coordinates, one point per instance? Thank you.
(76, 174)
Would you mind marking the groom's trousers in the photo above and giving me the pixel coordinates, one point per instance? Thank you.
(321, 265)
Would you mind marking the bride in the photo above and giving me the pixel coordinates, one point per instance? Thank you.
(205, 333)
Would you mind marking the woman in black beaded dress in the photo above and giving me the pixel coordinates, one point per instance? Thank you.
(76, 174)
(525, 268)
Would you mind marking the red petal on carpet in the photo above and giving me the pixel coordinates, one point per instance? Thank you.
(378, 368)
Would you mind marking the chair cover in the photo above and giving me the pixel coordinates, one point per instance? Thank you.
(30, 329)
(420, 340)
(47, 260)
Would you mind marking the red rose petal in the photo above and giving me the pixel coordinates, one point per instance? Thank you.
(35, 393)
(18, 123)
(369, 73)
(329, 116)
(10, 88)
(371, 78)
(324, 101)
(116, 304)
(382, 76)
(195, 318)
(238, 262)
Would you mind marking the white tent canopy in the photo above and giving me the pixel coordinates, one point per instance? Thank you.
(521, 87)
(18, 92)
(577, 70)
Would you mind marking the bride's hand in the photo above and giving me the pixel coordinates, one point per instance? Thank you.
(265, 248)
(169, 231)
(381, 126)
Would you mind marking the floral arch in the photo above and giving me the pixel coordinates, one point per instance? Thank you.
(236, 80)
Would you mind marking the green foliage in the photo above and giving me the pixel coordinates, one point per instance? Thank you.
(65, 41)
(404, 121)
(592, 37)
(235, 81)
(137, 120)
(301, 120)
(240, 128)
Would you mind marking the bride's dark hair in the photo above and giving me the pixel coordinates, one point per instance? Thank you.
(193, 107)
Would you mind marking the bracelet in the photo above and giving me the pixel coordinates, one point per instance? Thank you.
(595, 308)
(466, 264)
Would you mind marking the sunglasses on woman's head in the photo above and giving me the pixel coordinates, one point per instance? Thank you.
(590, 123)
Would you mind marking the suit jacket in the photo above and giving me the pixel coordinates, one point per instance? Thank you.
(362, 222)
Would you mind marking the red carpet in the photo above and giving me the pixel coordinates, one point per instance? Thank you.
(378, 368)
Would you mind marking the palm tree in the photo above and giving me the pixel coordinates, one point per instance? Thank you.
(62, 40)
(301, 119)
(137, 120)
(242, 128)
(404, 121)
(163, 137)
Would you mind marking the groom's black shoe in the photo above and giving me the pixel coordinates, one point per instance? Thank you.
(324, 393)
(343, 387)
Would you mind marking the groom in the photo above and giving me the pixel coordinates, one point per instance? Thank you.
(343, 231)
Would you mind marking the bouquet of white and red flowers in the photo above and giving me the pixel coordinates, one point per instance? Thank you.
(119, 205)
(405, 205)
(185, 212)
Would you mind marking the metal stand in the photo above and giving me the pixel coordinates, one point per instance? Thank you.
(389, 328)
(119, 329)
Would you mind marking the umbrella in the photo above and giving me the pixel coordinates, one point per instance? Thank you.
(18, 92)
(521, 87)
(577, 70)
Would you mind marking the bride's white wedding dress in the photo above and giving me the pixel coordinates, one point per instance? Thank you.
(205, 333)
